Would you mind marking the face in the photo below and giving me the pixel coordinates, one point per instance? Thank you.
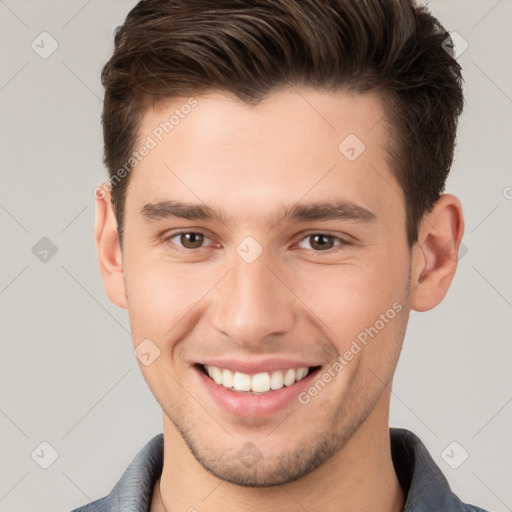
(258, 240)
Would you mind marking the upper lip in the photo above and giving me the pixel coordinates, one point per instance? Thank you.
(252, 367)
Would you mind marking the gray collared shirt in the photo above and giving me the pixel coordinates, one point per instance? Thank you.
(424, 485)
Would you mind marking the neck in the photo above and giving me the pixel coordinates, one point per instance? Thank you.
(360, 477)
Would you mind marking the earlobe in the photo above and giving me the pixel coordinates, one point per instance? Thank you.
(435, 255)
(109, 250)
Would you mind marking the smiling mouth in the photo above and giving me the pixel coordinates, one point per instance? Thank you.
(256, 384)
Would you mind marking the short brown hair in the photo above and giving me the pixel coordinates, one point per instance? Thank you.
(179, 48)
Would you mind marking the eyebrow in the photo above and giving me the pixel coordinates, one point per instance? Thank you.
(330, 210)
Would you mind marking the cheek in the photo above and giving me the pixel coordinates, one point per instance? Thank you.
(349, 298)
(161, 300)
(163, 295)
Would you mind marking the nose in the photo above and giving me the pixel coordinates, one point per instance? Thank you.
(253, 303)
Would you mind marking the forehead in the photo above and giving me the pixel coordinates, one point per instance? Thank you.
(291, 112)
(297, 142)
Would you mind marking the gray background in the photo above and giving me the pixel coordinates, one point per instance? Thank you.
(68, 375)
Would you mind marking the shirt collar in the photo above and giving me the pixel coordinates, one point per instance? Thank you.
(424, 485)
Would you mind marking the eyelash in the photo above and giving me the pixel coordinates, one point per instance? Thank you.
(307, 235)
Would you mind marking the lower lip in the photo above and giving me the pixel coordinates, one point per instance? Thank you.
(252, 406)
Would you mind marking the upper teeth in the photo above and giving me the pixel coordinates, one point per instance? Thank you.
(259, 382)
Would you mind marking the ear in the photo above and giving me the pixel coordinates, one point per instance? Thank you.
(108, 248)
(435, 255)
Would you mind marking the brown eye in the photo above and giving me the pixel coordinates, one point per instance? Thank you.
(191, 240)
(320, 241)
(187, 240)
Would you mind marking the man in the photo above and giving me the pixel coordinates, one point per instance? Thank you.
(275, 211)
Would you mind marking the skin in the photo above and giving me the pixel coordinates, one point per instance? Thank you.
(295, 300)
